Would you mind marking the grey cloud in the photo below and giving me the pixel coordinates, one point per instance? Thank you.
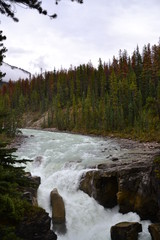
(81, 32)
(18, 51)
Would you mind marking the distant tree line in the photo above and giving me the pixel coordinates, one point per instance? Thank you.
(122, 96)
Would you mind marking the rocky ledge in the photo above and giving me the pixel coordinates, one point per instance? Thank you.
(133, 184)
(36, 225)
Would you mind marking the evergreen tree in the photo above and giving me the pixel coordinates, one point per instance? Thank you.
(136, 62)
(12, 182)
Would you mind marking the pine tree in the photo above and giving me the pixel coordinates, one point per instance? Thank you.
(136, 62)
(158, 99)
(146, 72)
(114, 99)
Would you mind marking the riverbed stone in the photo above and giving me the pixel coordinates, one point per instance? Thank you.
(58, 208)
(126, 231)
(58, 211)
(154, 230)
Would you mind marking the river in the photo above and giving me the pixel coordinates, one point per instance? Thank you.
(60, 159)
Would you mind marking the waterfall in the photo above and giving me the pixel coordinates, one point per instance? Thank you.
(60, 159)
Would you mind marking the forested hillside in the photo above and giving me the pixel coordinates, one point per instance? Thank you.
(121, 97)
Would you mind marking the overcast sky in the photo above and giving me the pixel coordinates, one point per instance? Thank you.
(81, 33)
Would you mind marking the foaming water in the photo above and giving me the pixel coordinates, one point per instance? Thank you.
(60, 159)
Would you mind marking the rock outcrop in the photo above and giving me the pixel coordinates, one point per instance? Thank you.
(126, 231)
(136, 191)
(133, 185)
(101, 186)
(30, 192)
(58, 212)
(36, 226)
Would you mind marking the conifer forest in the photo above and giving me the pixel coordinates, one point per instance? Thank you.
(121, 97)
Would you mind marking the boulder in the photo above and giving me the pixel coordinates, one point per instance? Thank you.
(126, 231)
(154, 230)
(58, 212)
(36, 226)
(58, 208)
(115, 159)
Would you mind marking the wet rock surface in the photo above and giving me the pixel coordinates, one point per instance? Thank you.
(154, 230)
(58, 212)
(30, 192)
(126, 231)
(35, 225)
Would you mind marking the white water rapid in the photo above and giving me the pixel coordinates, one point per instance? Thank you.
(60, 159)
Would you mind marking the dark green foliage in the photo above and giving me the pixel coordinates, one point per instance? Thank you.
(8, 233)
(12, 181)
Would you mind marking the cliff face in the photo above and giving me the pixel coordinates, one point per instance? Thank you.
(133, 185)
